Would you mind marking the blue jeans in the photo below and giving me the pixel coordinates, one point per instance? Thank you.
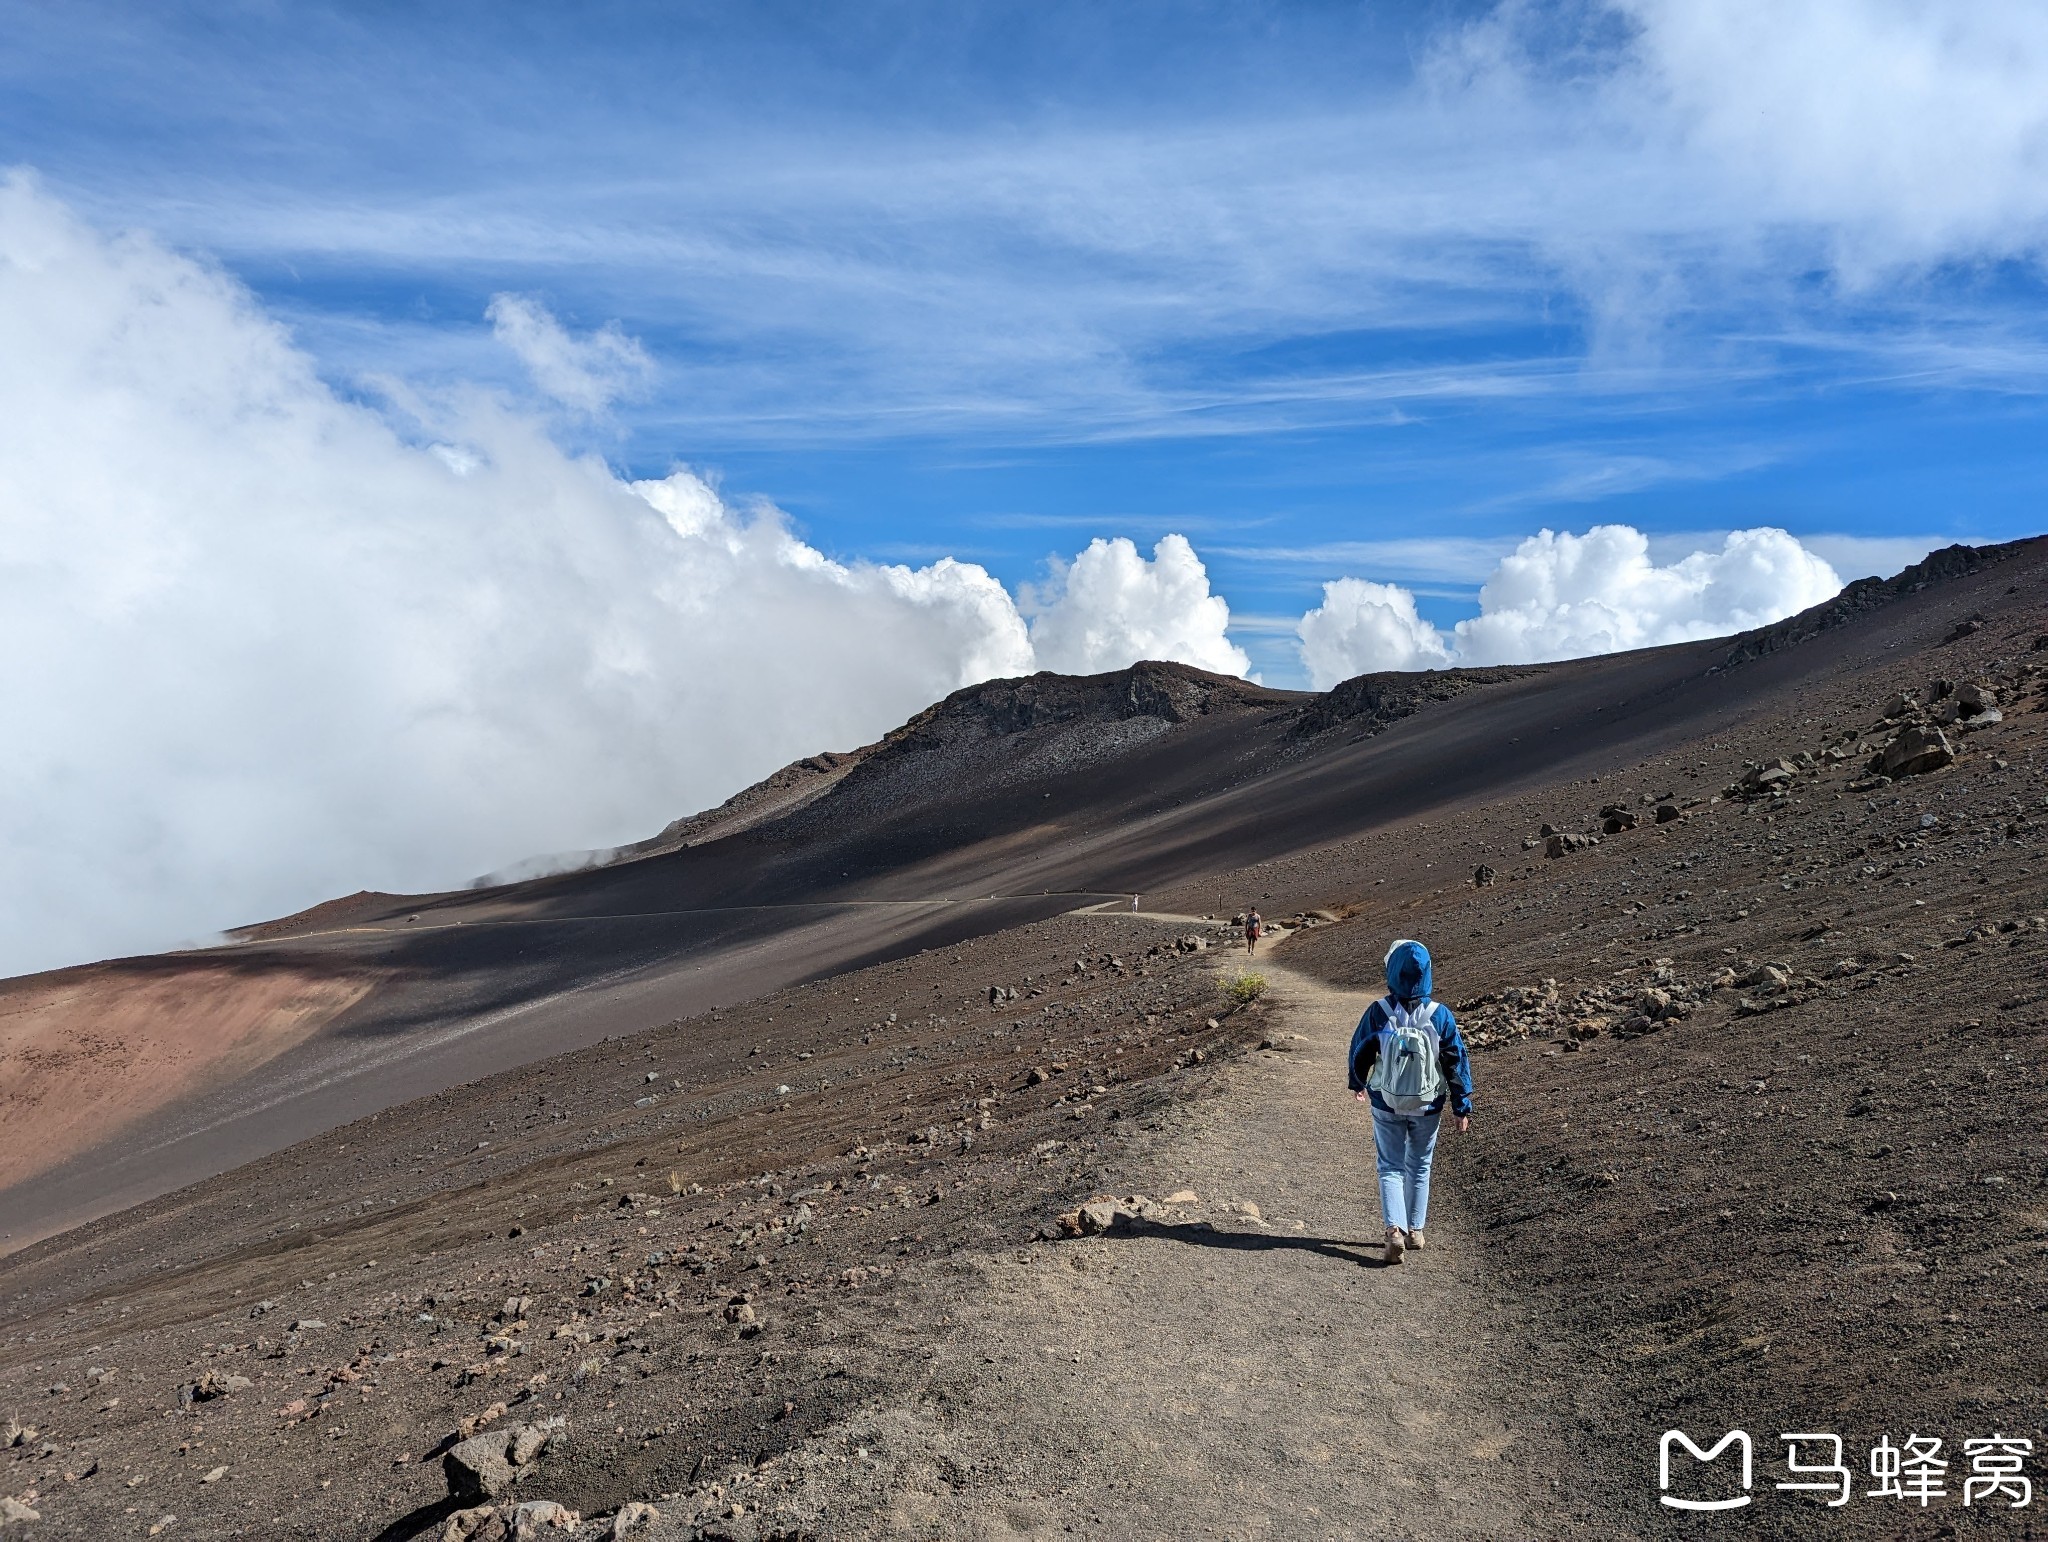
(1406, 1144)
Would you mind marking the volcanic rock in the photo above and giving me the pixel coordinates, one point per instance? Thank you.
(633, 1517)
(1913, 752)
(485, 1465)
(1973, 699)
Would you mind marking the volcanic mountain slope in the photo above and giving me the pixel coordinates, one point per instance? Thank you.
(1757, 1147)
(1001, 804)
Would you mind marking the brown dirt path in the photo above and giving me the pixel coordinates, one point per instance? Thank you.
(1233, 1374)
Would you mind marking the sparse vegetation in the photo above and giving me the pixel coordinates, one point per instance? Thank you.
(1243, 988)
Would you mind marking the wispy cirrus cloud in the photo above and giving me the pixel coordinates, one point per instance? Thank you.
(1598, 202)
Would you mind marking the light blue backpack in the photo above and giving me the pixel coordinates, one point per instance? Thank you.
(1406, 1074)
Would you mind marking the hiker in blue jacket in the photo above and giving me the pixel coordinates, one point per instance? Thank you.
(1408, 1059)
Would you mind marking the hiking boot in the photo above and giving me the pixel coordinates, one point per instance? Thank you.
(1415, 1241)
(1395, 1246)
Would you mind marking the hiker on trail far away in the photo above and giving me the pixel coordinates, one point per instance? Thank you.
(1254, 928)
(1407, 1058)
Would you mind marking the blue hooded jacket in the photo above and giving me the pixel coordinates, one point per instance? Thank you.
(1409, 982)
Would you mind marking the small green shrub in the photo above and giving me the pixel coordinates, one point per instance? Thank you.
(1245, 988)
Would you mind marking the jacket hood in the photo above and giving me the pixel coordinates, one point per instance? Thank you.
(1408, 977)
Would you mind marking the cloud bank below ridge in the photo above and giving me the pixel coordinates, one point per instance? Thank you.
(1563, 596)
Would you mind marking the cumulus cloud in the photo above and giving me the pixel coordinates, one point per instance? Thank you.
(585, 373)
(1110, 605)
(264, 644)
(1359, 619)
(1563, 596)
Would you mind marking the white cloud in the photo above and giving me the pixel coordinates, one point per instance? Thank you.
(1911, 131)
(264, 645)
(1358, 620)
(585, 373)
(1564, 596)
(1110, 605)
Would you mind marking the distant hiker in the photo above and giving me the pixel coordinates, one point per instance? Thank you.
(1254, 928)
(1407, 1059)
(1134, 902)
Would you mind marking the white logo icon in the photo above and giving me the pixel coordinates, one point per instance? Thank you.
(1679, 1437)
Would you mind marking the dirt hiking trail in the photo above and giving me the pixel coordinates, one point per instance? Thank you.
(1250, 1367)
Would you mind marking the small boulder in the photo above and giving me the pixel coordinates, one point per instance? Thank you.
(13, 1510)
(1099, 1215)
(485, 1465)
(631, 1518)
(1482, 877)
(1914, 752)
(210, 1386)
(481, 1523)
(531, 1521)
(1667, 812)
(1768, 777)
(1973, 699)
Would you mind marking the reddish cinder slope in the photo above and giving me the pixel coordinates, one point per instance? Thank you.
(86, 1052)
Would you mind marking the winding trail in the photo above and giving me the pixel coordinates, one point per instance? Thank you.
(1231, 1374)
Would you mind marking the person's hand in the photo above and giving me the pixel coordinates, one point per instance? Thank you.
(1362, 1095)
(1464, 1123)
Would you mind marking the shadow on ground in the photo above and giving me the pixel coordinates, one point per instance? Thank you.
(1203, 1234)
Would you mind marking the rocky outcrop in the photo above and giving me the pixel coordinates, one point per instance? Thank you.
(1367, 704)
(1172, 693)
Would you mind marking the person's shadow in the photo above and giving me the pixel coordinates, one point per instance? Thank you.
(1205, 1235)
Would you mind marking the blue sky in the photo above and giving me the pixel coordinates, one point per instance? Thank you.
(1334, 290)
